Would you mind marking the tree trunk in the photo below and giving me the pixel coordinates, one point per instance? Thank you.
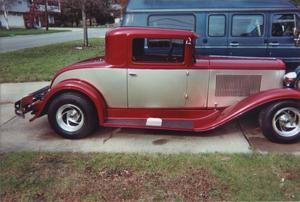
(5, 16)
(85, 31)
(46, 15)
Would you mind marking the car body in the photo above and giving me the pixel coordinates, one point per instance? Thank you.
(136, 87)
(251, 28)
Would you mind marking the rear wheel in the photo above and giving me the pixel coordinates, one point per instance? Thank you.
(280, 121)
(72, 116)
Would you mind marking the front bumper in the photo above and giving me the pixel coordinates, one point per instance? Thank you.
(27, 104)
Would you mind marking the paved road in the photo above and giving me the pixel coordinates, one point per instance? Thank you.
(19, 134)
(8, 44)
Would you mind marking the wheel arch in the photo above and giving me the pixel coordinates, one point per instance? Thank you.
(82, 87)
(253, 102)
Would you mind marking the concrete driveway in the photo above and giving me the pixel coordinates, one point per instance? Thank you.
(8, 44)
(19, 134)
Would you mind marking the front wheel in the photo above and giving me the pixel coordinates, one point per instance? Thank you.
(280, 121)
(72, 115)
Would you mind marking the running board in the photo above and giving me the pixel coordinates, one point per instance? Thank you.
(154, 123)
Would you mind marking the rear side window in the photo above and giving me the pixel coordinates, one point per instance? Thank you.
(185, 22)
(283, 24)
(216, 25)
(158, 50)
(247, 26)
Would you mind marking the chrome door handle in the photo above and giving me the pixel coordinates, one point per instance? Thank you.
(234, 44)
(274, 44)
(132, 74)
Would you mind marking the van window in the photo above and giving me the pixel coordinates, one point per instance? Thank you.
(283, 25)
(185, 22)
(216, 25)
(247, 25)
(158, 50)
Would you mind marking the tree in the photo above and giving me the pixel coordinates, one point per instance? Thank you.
(4, 6)
(88, 9)
(46, 15)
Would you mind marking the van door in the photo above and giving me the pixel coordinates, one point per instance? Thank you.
(281, 40)
(215, 42)
(247, 35)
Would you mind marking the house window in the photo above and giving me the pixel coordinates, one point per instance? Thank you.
(283, 25)
(247, 25)
(158, 50)
(185, 22)
(216, 25)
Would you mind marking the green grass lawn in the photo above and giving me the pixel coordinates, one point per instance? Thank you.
(41, 63)
(155, 177)
(21, 31)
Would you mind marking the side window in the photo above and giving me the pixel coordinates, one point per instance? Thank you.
(186, 22)
(283, 25)
(216, 25)
(158, 50)
(247, 26)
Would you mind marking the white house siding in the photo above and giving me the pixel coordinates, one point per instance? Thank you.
(14, 20)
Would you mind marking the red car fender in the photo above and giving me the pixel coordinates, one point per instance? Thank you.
(75, 85)
(250, 103)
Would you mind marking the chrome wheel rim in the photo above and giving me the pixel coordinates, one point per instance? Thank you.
(286, 122)
(69, 117)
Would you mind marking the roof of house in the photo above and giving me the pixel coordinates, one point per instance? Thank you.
(208, 4)
(21, 6)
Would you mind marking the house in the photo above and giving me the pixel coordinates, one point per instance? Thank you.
(29, 13)
(118, 9)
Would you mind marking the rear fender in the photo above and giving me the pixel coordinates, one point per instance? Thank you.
(74, 85)
(250, 103)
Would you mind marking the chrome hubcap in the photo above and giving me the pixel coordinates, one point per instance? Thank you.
(286, 122)
(69, 117)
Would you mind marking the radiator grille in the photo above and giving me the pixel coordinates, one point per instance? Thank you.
(237, 85)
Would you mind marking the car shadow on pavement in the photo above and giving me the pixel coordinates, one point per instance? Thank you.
(250, 127)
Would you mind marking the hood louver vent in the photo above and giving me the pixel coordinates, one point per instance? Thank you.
(237, 85)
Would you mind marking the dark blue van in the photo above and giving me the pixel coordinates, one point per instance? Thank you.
(253, 28)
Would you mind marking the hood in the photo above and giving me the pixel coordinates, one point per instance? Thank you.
(251, 63)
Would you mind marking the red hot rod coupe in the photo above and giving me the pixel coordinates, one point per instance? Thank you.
(150, 78)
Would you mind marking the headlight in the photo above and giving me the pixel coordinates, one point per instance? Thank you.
(289, 79)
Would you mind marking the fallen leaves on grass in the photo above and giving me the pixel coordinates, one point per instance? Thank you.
(117, 185)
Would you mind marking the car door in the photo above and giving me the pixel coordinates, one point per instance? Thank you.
(281, 39)
(157, 79)
(247, 35)
(215, 40)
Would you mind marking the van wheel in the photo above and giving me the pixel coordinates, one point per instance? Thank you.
(72, 116)
(280, 121)
(297, 82)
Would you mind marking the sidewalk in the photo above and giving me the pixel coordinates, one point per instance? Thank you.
(17, 134)
(21, 135)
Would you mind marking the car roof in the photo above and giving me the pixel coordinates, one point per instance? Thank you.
(209, 4)
(147, 32)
